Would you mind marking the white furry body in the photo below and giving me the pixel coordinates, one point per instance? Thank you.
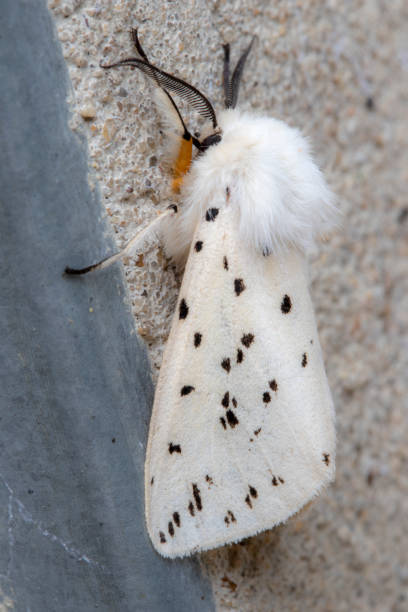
(281, 195)
(242, 432)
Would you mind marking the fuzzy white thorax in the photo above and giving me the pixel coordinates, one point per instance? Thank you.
(280, 194)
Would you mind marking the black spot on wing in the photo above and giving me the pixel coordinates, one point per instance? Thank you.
(266, 397)
(326, 458)
(225, 261)
(229, 518)
(198, 245)
(286, 304)
(273, 385)
(183, 309)
(266, 251)
(253, 492)
(174, 448)
(304, 360)
(197, 497)
(231, 418)
(197, 339)
(223, 422)
(234, 402)
(209, 480)
(226, 364)
(240, 355)
(171, 529)
(152, 480)
(247, 340)
(176, 518)
(225, 400)
(239, 286)
(191, 508)
(186, 390)
(258, 431)
(248, 501)
(162, 537)
(277, 480)
(211, 214)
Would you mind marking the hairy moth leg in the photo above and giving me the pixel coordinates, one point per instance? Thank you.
(131, 246)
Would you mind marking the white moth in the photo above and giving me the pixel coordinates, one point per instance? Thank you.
(242, 431)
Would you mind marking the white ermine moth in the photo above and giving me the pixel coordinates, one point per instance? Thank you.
(242, 431)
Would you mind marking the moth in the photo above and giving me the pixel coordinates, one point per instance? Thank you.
(242, 432)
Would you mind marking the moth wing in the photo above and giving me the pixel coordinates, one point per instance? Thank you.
(242, 430)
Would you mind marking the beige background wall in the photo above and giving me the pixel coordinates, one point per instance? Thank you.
(338, 70)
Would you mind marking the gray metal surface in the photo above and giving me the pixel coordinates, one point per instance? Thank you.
(75, 388)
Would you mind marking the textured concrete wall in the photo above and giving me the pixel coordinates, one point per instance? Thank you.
(338, 70)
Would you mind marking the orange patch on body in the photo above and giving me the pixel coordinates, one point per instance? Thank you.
(182, 164)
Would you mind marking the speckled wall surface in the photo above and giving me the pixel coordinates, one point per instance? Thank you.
(338, 70)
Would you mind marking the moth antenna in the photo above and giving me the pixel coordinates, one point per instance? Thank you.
(143, 55)
(172, 117)
(169, 82)
(135, 242)
(187, 134)
(236, 77)
(173, 106)
(226, 77)
(136, 42)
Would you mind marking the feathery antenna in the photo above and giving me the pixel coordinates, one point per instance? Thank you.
(231, 85)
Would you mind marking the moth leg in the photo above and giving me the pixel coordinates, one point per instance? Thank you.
(133, 244)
